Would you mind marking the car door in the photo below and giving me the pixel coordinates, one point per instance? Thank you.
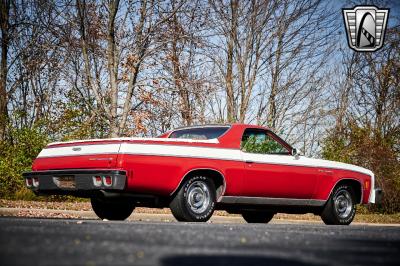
(271, 170)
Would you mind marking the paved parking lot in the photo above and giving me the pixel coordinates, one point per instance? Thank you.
(30, 241)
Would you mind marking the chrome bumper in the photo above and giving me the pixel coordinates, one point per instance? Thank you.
(80, 180)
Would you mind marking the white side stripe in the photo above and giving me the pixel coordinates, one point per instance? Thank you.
(80, 150)
(181, 151)
(144, 149)
(302, 161)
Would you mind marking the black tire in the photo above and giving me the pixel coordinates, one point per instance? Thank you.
(113, 210)
(340, 208)
(195, 200)
(257, 216)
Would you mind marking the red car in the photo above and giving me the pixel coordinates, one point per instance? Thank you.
(239, 168)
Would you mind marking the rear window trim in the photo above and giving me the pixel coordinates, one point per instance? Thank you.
(228, 127)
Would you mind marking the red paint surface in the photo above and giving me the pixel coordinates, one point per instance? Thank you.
(161, 175)
(99, 161)
(280, 181)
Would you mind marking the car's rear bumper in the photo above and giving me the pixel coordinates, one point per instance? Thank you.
(74, 181)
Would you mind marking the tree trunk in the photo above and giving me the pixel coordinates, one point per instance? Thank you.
(272, 112)
(179, 78)
(4, 21)
(100, 110)
(230, 97)
(113, 68)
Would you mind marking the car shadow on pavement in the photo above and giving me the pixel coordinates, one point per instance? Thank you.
(230, 260)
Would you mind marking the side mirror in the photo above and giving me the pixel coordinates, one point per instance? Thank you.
(295, 153)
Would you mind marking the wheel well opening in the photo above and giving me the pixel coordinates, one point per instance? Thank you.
(215, 176)
(356, 185)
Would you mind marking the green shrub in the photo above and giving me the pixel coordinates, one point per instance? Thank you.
(17, 154)
(373, 150)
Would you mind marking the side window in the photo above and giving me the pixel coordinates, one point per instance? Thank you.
(259, 141)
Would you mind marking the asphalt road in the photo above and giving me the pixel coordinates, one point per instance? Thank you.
(94, 242)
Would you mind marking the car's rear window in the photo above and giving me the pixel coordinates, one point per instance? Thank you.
(199, 133)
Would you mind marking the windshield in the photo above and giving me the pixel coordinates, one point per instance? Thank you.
(200, 133)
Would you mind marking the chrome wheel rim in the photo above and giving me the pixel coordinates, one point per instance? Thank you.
(198, 197)
(343, 203)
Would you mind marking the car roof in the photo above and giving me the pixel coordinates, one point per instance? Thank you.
(239, 125)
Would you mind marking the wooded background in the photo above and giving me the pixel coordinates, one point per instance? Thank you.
(76, 69)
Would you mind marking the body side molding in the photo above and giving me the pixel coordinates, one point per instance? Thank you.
(272, 201)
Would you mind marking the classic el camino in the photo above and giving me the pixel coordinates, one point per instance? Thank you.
(239, 168)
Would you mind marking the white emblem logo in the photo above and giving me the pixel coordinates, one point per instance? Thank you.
(365, 27)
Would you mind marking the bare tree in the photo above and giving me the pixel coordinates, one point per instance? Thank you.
(292, 100)
(376, 87)
(5, 32)
(183, 61)
(30, 63)
(123, 64)
(242, 32)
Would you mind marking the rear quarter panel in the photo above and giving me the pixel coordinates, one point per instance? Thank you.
(161, 175)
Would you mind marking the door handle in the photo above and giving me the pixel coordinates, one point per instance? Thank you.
(248, 161)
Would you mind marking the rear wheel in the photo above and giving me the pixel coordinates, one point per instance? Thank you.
(340, 209)
(257, 216)
(114, 209)
(195, 200)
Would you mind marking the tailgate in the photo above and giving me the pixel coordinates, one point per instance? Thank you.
(77, 157)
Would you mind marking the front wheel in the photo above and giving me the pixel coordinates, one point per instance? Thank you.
(195, 200)
(115, 209)
(340, 209)
(257, 216)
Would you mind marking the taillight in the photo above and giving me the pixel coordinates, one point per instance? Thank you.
(107, 181)
(29, 182)
(97, 181)
(35, 181)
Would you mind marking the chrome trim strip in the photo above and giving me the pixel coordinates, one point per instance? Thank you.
(229, 127)
(272, 201)
(202, 126)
